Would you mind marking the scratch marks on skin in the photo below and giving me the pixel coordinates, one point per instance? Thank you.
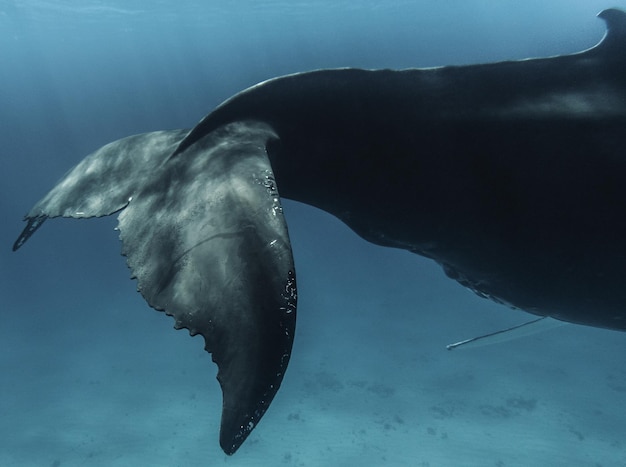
(592, 103)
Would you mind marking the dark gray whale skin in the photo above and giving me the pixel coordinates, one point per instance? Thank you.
(511, 175)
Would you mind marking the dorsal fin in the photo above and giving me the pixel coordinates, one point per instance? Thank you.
(615, 29)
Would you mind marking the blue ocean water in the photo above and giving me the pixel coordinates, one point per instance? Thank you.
(91, 376)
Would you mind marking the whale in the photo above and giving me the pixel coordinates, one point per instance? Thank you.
(509, 175)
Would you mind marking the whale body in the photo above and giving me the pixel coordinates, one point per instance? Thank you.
(510, 175)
